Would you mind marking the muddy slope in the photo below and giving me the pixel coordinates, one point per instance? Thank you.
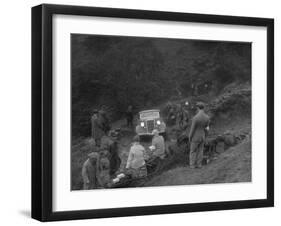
(234, 165)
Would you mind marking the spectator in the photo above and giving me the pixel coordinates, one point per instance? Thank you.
(97, 130)
(130, 116)
(197, 136)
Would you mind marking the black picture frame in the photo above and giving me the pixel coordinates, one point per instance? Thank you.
(42, 107)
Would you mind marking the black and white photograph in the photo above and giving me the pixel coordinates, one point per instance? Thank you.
(142, 112)
(149, 111)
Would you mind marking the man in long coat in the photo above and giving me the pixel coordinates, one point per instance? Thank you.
(104, 120)
(97, 130)
(197, 136)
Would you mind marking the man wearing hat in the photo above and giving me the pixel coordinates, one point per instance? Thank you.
(90, 172)
(197, 136)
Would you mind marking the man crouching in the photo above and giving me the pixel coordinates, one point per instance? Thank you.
(90, 172)
(157, 152)
(136, 163)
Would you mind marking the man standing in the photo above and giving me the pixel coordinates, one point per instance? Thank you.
(97, 130)
(197, 136)
(104, 119)
(130, 116)
(171, 119)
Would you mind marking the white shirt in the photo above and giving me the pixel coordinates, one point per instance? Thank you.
(136, 156)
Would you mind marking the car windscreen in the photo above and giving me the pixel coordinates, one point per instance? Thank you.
(149, 114)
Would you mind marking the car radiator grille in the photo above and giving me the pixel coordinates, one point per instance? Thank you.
(150, 125)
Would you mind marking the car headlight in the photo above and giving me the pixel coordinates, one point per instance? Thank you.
(158, 122)
(142, 124)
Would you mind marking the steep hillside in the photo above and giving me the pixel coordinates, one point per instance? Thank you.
(230, 112)
(234, 165)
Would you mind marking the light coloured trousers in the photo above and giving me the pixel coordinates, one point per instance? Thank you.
(196, 154)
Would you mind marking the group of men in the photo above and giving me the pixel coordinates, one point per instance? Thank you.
(94, 167)
(136, 162)
(103, 162)
(198, 129)
(105, 156)
(197, 137)
(178, 114)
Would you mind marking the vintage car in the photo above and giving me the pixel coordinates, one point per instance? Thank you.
(148, 121)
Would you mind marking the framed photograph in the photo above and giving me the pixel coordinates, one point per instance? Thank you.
(145, 112)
